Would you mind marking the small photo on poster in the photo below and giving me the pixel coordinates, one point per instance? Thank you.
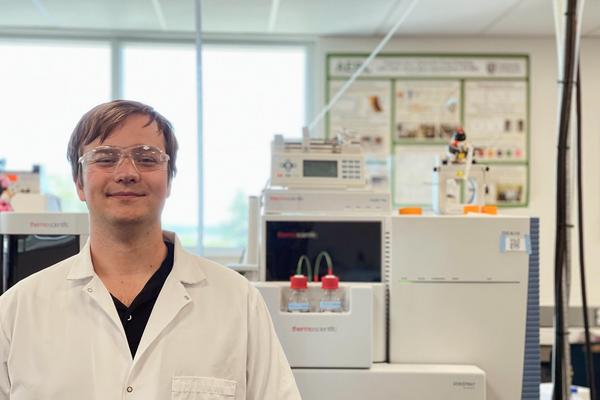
(507, 185)
(424, 131)
(364, 111)
(426, 111)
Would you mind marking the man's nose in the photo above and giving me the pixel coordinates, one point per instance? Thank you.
(126, 171)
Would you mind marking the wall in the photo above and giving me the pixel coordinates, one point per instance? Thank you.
(543, 113)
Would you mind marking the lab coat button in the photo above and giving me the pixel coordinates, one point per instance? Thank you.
(129, 389)
(90, 290)
(187, 297)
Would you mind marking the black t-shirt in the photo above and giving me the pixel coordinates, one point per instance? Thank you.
(135, 317)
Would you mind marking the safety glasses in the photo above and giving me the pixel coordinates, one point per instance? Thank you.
(145, 158)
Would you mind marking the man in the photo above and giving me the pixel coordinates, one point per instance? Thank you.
(134, 316)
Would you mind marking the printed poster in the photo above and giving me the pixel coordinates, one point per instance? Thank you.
(365, 111)
(426, 111)
(496, 119)
(413, 173)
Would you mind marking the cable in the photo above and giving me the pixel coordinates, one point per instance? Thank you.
(308, 266)
(561, 389)
(586, 324)
(318, 264)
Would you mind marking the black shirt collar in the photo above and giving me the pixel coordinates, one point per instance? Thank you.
(135, 317)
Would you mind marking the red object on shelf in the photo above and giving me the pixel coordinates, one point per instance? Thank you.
(299, 281)
(330, 282)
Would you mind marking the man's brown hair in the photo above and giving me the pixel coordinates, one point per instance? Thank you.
(103, 119)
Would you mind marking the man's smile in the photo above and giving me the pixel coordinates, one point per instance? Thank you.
(125, 194)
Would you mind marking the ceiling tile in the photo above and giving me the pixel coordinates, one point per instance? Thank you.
(105, 14)
(536, 17)
(463, 17)
(332, 17)
(304, 17)
(180, 14)
(20, 13)
(238, 16)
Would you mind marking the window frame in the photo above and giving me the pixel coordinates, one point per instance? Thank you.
(117, 40)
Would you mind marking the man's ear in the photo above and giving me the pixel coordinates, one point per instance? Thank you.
(79, 186)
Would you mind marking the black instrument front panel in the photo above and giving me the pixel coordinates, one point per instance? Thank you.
(354, 246)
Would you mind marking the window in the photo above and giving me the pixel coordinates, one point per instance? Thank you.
(45, 87)
(164, 76)
(250, 94)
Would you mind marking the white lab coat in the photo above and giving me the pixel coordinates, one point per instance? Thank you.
(209, 336)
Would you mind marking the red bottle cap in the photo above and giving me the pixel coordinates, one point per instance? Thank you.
(330, 282)
(298, 281)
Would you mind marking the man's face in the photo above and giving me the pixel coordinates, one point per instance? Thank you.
(126, 195)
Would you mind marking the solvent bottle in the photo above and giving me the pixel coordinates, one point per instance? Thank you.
(331, 300)
(298, 299)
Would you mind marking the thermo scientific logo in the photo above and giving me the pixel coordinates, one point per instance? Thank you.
(464, 384)
(297, 235)
(285, 198)
(314, 329)
(50, 225)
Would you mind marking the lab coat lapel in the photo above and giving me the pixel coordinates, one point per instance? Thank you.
(173, 297)
(81, 270)
(171, 300)
(98, 293)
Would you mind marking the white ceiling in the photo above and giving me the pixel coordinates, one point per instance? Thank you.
(296, 17)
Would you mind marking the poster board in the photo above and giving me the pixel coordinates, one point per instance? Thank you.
(405, 107)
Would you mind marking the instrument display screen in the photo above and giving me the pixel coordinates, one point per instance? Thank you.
(354, 246)
(320, 168)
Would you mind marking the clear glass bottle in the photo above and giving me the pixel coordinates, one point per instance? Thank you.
(298, 298)
(331, 300)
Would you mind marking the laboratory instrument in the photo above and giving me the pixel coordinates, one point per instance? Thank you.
(465, 290)
(310, 162)
(33, 241)
(458, 180)
(421, 298)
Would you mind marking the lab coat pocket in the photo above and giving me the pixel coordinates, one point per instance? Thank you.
(202, 388)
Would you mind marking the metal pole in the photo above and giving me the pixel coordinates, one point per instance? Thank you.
(200, 119)
(116, 69)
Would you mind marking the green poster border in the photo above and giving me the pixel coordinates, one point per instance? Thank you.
(462, 80)
(328, 56)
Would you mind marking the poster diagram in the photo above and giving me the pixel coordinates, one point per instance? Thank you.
(496, 119)
(413, 173)
(365, 110)
(426, 111)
